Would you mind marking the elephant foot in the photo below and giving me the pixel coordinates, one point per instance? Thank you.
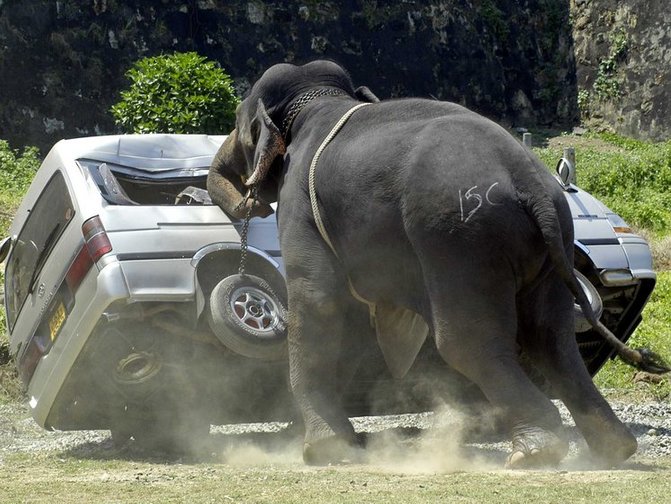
(614, 447)
(333, 450)
(534, 447)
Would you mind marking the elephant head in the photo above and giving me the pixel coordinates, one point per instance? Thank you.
(252, 155)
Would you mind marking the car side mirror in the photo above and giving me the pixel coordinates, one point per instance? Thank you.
(5, 246)
(566, 172)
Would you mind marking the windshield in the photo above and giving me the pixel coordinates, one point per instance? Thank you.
(46, 222)
(123, 185)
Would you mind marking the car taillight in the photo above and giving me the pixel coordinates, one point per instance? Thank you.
(96, 239)
(28, 361)
(96, 245)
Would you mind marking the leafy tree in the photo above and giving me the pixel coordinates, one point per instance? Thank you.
(177, 93)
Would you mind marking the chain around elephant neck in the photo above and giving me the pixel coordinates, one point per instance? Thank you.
(301, 102)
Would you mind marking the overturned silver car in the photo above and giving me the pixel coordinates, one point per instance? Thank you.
(125, 310)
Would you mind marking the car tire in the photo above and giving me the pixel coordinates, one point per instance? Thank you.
(248, 317)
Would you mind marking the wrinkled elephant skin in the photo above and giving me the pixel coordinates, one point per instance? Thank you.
(433, 209)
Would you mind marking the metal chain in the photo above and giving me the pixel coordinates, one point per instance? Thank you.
(301, 102)
(253, 192)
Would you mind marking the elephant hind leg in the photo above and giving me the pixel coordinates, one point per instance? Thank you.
(549, 339)
(475, 326)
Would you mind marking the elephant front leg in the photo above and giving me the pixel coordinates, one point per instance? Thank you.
(318, 326)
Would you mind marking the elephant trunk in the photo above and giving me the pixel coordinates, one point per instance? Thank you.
(225, 184)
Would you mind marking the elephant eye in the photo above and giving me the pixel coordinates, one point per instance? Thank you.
(255, 131)
(248, 136)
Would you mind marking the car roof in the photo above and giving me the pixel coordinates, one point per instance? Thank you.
(149, 153)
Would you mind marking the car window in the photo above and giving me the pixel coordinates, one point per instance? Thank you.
(122, 185)
(46, 222)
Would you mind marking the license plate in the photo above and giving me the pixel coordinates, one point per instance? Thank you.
(57, 320)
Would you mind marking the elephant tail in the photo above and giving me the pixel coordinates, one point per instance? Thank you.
(541, 208)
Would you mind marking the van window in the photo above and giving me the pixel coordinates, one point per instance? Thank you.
(124, 185)
(46, 222)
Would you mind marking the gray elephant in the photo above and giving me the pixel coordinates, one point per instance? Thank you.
(421, 217)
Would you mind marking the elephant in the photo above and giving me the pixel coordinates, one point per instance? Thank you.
(420, 217)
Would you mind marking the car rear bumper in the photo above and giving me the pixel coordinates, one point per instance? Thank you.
(96, 293)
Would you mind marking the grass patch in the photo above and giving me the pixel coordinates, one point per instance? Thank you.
(661, 251)
(631, 177)
(654, 333)
(61, 478)
(57, 478)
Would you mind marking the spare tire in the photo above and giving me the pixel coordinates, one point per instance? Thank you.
(248, 317)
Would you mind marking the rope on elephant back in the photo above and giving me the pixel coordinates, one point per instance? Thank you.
(315, 207)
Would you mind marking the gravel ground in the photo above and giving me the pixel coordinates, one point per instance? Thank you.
(650, 422)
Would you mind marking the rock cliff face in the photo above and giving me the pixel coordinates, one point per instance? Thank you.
(623, 53)
(520, 62)
(62, 63)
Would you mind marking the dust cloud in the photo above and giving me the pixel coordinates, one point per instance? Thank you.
(425, 443)
(248, 453)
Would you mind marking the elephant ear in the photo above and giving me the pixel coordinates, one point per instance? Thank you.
(364, 94)
(269, 145)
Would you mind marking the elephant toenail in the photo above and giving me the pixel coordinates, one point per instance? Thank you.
(514, 459)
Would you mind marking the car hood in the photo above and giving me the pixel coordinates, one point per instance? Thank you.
(584, 205)
(590, 217)
(152, 156)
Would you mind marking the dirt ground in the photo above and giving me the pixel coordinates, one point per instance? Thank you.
(411, 458)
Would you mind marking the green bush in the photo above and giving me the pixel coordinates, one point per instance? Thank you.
(17, 170)
(177, 93)
(630, 176)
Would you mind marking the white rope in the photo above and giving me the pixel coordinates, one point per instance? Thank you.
(313, 168)
(313, 198)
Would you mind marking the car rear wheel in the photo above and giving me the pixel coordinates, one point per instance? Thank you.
(248, 317)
